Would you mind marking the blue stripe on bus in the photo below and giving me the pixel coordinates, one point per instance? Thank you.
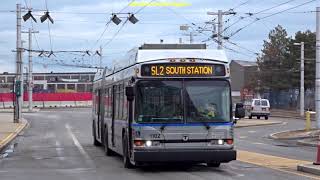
(182, 124)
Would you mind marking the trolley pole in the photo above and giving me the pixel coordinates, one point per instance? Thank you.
(100, 57)
(30, 67)
(19, 72)
(317, 93)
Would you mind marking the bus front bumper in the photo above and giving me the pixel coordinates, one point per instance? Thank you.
(185, 155)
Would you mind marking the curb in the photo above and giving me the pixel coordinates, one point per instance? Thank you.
(309, 168)
(304, 143)
(273, 135)
(13, 135)
(254, 125)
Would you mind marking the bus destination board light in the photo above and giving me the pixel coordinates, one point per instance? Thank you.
(182, 70)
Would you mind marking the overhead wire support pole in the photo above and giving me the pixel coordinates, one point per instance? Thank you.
(30, 68)
(19, 72)
(220, 15)
(301, 44)
(317, 93)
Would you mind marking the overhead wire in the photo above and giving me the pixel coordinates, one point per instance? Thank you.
(241, 47)
(256, 13)
(273, 14)
(123, 24)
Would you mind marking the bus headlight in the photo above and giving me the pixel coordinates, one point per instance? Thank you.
(148, 143)
(220, 142)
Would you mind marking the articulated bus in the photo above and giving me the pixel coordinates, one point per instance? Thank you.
(166, 103)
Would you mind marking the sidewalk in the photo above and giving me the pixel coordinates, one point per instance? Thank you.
(305, 138)
(8, 129)
(249, 122)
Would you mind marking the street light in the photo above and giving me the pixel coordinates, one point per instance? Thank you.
(301, 78)
(28, 15)
(115, 19)
(133, 19)
(45, 17)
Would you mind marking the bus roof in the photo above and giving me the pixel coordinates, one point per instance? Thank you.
(212, 54)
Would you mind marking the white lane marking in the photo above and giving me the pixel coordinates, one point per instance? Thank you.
(243, 137)
(59, 151)
(76, 142)
(258, 143)
(252, 131)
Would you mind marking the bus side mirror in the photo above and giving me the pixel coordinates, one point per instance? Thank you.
(130, 93)
(239, 111)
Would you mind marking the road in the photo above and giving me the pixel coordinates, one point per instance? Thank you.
(58, 146)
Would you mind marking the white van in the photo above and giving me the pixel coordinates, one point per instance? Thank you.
(258, 108)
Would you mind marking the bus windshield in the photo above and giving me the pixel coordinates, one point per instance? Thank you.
(207, 101)
(170, 101)
(160, 101)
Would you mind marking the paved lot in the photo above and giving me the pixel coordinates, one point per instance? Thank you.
(58, 145)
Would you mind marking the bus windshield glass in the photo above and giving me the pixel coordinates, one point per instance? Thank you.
(207, 101)
(171, 101)
(159, 102)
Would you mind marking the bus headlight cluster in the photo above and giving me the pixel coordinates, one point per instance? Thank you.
(217, 142)
(221, 142)
(147, 143)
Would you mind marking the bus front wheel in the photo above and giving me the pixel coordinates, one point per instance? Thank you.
(213, 164)
(107, 150)
(95, 141)
(126, 160)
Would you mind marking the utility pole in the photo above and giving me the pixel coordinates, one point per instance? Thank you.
(317, 93)
(30, 67)
(301, 44)
(191, 34)
(19, 72)
(191, 38)
(220, 15)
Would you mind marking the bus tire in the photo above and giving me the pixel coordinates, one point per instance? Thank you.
(266, 117)
(107, 150)
(258, 117)
(250, 117)
(214, 164)
(126, 160)
(95, 141)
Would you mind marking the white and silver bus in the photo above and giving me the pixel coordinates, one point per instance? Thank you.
(166, 103)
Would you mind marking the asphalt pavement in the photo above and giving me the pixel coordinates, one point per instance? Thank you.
(58, 146)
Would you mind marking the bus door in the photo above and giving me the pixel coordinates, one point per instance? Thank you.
(99, 114)
(114, 90)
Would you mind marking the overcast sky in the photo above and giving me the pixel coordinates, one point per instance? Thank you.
(79, 24)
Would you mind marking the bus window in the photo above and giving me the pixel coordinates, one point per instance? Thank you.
(106, 103)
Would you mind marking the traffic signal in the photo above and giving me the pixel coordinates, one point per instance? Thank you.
(18, 88)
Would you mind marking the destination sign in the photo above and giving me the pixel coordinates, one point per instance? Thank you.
(182, 69)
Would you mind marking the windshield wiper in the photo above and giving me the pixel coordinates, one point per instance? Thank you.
(206, 125)
(162, 127)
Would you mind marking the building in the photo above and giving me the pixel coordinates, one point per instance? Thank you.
(51, 82)
(242, 74)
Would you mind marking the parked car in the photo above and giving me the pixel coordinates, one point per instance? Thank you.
(258, 108)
